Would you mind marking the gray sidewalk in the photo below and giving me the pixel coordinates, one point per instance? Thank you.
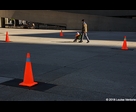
(67, 71)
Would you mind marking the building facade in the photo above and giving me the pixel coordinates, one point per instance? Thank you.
(97, 20)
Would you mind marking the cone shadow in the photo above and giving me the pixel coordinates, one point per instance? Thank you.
(123, 49)
(41, 86)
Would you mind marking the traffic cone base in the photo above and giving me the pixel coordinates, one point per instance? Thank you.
(124, 48)
(27, 84)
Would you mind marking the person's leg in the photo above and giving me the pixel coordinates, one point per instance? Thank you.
(82, 36)
(87, 38)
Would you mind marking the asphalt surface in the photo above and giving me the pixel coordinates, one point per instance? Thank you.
(65, 70)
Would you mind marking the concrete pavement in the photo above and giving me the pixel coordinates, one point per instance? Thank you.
(67, 71)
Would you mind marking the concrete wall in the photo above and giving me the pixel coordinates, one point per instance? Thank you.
(72, 20)
(103, 12)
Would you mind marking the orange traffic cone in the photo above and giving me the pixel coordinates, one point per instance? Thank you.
(28, 74)
(7, 37)
(124, 46)
(61, 33)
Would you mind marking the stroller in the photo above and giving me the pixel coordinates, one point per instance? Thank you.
(77, 36)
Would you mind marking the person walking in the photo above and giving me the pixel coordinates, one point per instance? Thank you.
(84, 32)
